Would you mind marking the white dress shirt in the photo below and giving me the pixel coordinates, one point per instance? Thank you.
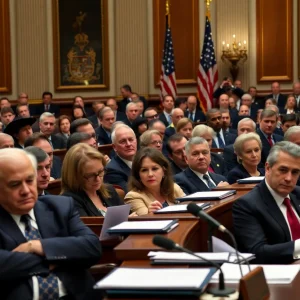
(127, 162)
(35, 283)
(279, 200)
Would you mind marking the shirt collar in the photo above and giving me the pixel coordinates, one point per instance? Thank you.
(127, 162)
(17, 218)
(200, 175)
(279, 199)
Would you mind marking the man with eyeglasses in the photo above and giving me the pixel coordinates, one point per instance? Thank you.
(151, 114)
(119, 168)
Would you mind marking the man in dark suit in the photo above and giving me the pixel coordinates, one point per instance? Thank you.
(38, 239)
(119, 168)
(176, 116)
(103, 132)
(168, 105)
(22, 101)
(267, 126)
(214, 120)
(266, 220)
(112, 103)
(127, 93)
(193, 112)
(47, 105)
(280, 98)
(253, 108)
(78, 100)
(176, 153)
(196, 177)
(226, 119)
(47, 126)
(257, 100)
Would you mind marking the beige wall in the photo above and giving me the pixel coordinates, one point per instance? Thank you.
(130, 44)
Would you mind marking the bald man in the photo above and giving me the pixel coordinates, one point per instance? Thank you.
(176, 116)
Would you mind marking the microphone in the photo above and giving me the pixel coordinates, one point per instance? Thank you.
(168, 244)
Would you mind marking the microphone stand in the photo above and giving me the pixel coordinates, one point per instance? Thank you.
(209, 239)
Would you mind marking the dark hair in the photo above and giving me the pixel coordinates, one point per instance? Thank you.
(167, 183)
(179, 101)
(38, 153)
(4, 98)
(60, 119)
(76, 106)
(76, 138)
(77, 123)
(289, 117)
(19, 105)
(76, 97)
(36, 136)
(177, 137)
(6, 110)
(164, 98)
(46, 94)
(127, 87)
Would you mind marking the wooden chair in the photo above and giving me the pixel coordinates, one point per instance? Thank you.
(105, 149)
(217, 150)
(120, 191)
(60, 153)
(54, 187)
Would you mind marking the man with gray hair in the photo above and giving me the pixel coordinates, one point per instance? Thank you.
(119, 168)
(132, 112)
(107, 118)
(293, 135)
(266, 220)
(6, 141)
(196, 177)
(176, 116)
(47, 126)
(253, 107)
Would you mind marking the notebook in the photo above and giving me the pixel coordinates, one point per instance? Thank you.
(182, 208)
(211, 195)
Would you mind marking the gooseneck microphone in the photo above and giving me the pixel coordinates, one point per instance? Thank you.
(168, 244)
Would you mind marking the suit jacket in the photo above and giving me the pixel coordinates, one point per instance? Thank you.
(281, 100)
(217, 164)
(198, 117)
(228, 137)
(59, 134)
(169, 132)
(239, 172)
(56, 167)
(191, 183)
(58, 142)
(260, 226)
(54, 109)
(102, 137)
(265, 144)
(174, 167)
(85, 206)
(62, 233)
(140, 200)
(117, 172)
(120, 116)
(122, 105)
(94, 120)
(163, 118)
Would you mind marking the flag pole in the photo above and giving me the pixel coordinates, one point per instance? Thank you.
(168, 16)
(207, 2)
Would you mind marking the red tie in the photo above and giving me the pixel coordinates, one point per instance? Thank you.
(292, 219)
(270, 140)
(210, 169)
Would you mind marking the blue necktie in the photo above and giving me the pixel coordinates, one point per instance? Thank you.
(210, 184)
(48, 286)
(220, 141)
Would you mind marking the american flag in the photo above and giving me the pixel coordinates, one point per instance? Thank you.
(207, 77)
(167, 75)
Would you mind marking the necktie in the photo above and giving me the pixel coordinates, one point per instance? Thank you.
(220, 141)
(47, 107)
(48, 286)
(191, 117)
(270, 140)
(292, 219)
(210, 184)
(210, 169)
(169, 119)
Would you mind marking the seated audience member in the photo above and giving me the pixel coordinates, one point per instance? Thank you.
(152, 139)
(4, 102)
(1, 126)
(293, 135)
(224, 101)
(48, 250)
(107, 119)
(279, 98)
(232, 103)
(47, 127)
(157, 125)
(81, 137)
(217, 164)
(119, 168)
(214, 120)
(290, 106)
(43, 168)
(96, 106)
(245, 125)
(193, 112)
(139, 126)
(23, 101)
(20, 129)
(288, 121)
(269, 102)
(151, 114)
(78, 112)
(41, 141)
(253, 107)
(6, 141)
(176, 152)
(181, 103)
(238, 84)
(237, 94)
(64, 123)
(132, 112)
(266, 220)
(47, 106)
(267, 126)
(196, 177)
(112, 103)
(244, 111)
(22, 111)
(168, 106)
(176, 116)
(151, 183)
(248, 150)
(140, 105)
(226, 118)
(7, 115)
(78, 101)
(185, 127)
(82, 179)
(257, 100)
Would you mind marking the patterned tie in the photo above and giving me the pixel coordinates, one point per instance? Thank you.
(47, 107)
(210, 184)
(220, 141)
(48, 286)
(191, 117)
(292, 219)
(270, 140)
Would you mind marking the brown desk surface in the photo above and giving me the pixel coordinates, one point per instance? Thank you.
(237, 186)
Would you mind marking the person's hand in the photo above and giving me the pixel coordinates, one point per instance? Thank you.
(154, 206)
(134, 214)
(223, 183)
(34, 246)
(51, 179)
(107, 159)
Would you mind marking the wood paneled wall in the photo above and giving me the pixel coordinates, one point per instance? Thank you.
(5, 55)
(274, 40)
(185, 34)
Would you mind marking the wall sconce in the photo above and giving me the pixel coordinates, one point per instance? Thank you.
(234, 54)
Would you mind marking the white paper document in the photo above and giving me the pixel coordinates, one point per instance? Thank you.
(180, 208)
(219, 245)
(252, 179)
(209, 195)
(133, 278)
(146, 225)
(275, 274)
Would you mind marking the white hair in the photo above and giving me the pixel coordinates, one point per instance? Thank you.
(46, 115)
(113, 134)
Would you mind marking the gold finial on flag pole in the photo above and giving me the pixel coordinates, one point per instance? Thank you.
(207, 2)
(168, 11)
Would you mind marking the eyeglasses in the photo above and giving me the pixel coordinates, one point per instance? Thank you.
(92, 177)
(152, 117)
(156, 143)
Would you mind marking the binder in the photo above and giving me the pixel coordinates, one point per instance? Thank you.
(211, 195)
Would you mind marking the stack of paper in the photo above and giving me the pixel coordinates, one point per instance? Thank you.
(211, 195)
(275, 274)
(180, 208)
(253, 179)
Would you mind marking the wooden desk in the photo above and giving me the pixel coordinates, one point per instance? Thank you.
(237, 186)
